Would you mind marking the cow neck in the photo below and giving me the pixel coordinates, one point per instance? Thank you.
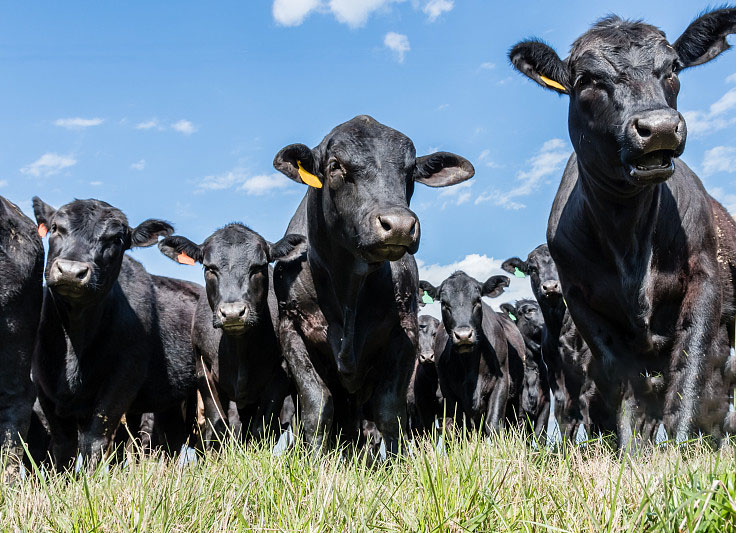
(82, 323)
(329, 259)
(553, 316)
(622, 223)
(259, 341)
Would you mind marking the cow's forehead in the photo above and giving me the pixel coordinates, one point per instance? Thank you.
(363, 135)
(236, 240)
(92, 213)
(460, 284)
(428, 320)
(612, 39)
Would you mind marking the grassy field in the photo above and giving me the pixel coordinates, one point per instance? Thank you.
(475, 485)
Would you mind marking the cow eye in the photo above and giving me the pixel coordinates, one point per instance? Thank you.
(334, 166)
(54, 227)
(584, 80)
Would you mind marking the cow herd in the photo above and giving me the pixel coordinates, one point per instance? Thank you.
(632, 325)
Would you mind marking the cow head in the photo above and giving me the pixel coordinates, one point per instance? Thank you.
(364, 174)
(87, 242)
(529, 318)
(545, 280)
(462, 307)
(428, 329)
(235, 260)
(622, 78)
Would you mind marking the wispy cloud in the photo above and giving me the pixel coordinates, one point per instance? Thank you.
(184, 126)
(398, 43)
(719, 159)
(547, 162)
(239, 180)
(486, 66)
(485, 158)
(48, 164)
(720, 114)
(480, 267)
(457, 194)
(354, 13)
(148, 124)
(138, 165)
(95, 183)
(434, 8)
(78, 123)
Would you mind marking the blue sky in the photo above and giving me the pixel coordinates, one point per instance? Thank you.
(175, 110)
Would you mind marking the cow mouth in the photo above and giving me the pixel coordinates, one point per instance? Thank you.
(464, 346)
(234, 328)
(386, 252)
(68, 290)
(658, 165)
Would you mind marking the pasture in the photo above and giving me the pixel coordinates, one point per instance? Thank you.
(474, 485)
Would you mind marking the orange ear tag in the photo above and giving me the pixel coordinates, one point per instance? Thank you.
(308, 178)
(42, 230)
(553, 84)
(184, 259)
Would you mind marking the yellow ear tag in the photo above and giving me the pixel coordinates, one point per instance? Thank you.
(184, 259)
(308, 178)
(552, 83)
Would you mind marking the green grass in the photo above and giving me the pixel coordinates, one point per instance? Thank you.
(475, 485)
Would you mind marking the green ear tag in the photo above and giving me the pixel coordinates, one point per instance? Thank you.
(518, 273)
(512, 317)
(427, 299)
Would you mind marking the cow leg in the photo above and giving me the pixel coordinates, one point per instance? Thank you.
(63, 433)
(270, 406)
(215, 427)
(496, 406)
(542, 419)
(315, 404)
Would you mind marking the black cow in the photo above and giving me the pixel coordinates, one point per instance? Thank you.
(535, 392)
(479, 382)
(113, 339)
(21, 281)
(234, 333)
(646, 269)
(424, 398)
(348, 306)
(564, 352)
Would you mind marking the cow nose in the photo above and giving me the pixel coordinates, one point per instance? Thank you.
(397, 228)
(551, 287)
(232, 312)
(463, 335)
(76, 271)
(661, 129)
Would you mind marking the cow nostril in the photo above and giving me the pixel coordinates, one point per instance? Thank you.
(385, 224)
(642, 129)
(82, 272)
(241, 312)
(413, 228)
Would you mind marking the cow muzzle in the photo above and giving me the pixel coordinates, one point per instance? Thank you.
(69, 277)
(653, 140)
(232, 317)
(425, 357)
(551, 288)
(396, 232)
(463, 338)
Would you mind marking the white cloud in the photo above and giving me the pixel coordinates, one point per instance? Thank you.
(486, 66)
(548, 161)
(48, 164)
(184, 126)
(485, 157)
(397, 42)
(148, 124)
(138, 165)
(3, 183)
(434, 8)
(727, 199)
(238, 179)
(95, 183)
(354, 13)
(293, 12)
(721, 114)
(719, 159)
(457, 194)
(480, 267)
(78, 123)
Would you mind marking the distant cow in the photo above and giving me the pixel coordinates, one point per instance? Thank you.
(424, 398)
(234, 332)
(348, 307)
(535, 391)
(21, 281)
(646, 257)
(475, 369)
(113, 339)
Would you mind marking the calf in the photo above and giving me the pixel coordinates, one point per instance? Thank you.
(424, 399)
(645, 255)
(474, 366)
(113, 339)
(234, 330)
(348, 307)
(535, 390)
(21, 272)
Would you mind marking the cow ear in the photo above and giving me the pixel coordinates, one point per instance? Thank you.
(297, 162)
(430, 289)
(147, 233)
(289, 247)
(44, 213)
(705, 37)
(495, 285)
(514, 263)
(442, 169)
(181, 250)
(508, 308)
(541, 63)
